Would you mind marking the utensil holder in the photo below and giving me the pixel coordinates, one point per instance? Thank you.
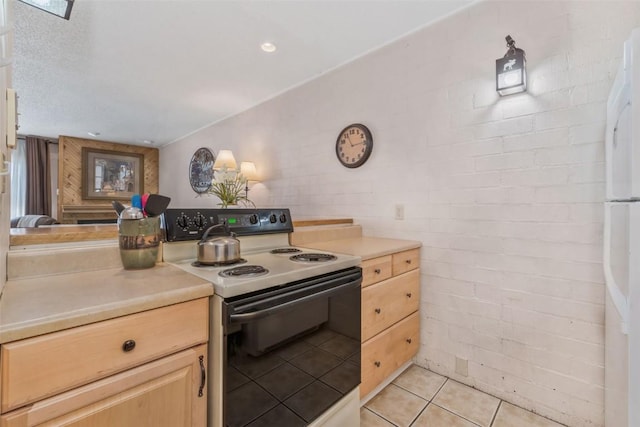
(139, 240)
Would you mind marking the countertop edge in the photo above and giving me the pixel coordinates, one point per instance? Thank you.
(88, 315)
(366, 247)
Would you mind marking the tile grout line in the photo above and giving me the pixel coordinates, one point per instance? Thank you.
(460, 415)
(422, 397)
(429, 401)
(495, 414)
(379, 415)
(457, 415)
(447, 379)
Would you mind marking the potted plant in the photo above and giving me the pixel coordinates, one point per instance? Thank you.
(229, 185)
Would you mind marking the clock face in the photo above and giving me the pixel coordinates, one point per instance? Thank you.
(354, 145)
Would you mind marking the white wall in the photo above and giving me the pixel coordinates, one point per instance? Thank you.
(505, 194)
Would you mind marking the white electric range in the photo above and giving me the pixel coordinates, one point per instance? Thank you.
(285, 322)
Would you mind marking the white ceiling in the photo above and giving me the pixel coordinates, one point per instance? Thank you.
(136, 70)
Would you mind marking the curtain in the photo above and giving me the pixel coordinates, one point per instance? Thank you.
(18, 179)
(38, 198)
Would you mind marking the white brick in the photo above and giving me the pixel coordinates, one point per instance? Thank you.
(517, 160)
(587, 173)
(578, 115)
(475, 180)
(552, 175)
(588, 133)
(527, 142)
(477, 148)
(523, 106)
(576, 193)
(553, 250)
(504, 127)
(556, 306)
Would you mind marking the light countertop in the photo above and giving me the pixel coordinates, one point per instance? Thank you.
(36, 306)
(365, 247)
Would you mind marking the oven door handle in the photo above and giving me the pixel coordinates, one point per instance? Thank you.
(245, 317)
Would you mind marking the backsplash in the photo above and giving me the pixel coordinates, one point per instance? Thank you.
(45, 260)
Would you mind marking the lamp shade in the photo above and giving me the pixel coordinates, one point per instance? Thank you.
(248, 170)
(511, 73)
(225, 159)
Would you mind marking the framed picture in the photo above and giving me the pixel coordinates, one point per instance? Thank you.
(111, 175)
(201, 170)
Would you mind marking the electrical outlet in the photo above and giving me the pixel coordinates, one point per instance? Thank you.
(400, 212)
(462, 366)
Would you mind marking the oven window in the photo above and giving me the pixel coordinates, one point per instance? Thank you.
(286, 368)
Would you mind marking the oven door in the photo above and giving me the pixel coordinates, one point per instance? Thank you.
(292, 351)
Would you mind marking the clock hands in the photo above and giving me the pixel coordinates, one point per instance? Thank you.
(351, 143)
(357, 143)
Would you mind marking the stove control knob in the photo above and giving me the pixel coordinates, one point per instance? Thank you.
(182, 221)
(199, 221)
(273, 218)
(253, 219)
(283, 218)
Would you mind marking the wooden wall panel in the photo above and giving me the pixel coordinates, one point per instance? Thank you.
(70, 171)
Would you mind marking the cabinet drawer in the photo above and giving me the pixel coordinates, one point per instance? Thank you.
(384, 303)
(386, 352)
(170, 391)
(46, 365)
(375, 270)
(406, 261)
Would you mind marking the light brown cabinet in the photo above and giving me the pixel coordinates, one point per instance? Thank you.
(142, 369)
(390, 315)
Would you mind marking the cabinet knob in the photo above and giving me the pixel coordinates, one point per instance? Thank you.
(128, 345)
(377, 363)
(409, 340)
(408, 261)
(377, 310)
(377, 271)
(408, 294)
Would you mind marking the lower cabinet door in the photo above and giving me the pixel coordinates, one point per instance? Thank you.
(169, 392)
(387, 351)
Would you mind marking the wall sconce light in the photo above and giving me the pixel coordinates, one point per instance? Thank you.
(61, 8)
(248, 171)
(511, 71)
(225, 159)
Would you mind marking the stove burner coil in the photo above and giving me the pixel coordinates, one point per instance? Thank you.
(218, 264)
(310, 257)
(285, 251)
(244, 270)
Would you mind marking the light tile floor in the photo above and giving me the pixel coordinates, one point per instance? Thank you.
(421, 398)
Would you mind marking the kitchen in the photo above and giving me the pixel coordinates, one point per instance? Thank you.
(504, 194)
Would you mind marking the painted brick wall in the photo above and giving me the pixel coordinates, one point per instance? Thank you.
(505, 194)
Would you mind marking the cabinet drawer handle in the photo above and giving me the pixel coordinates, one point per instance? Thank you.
(377, 363)
(377, 310)
(128, 345)
(408, 294)
(409, 340)
(408, 261)
(203, 376)
(377, 271)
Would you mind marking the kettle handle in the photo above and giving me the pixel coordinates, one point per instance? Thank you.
(206, 233)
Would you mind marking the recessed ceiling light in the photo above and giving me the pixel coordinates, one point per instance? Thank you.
(147, 141)
(268, 47)
(93, 133)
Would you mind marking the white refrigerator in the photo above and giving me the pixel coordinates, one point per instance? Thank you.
(622, 243)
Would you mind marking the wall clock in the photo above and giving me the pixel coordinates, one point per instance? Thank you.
(201, 170)
(354, 145)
